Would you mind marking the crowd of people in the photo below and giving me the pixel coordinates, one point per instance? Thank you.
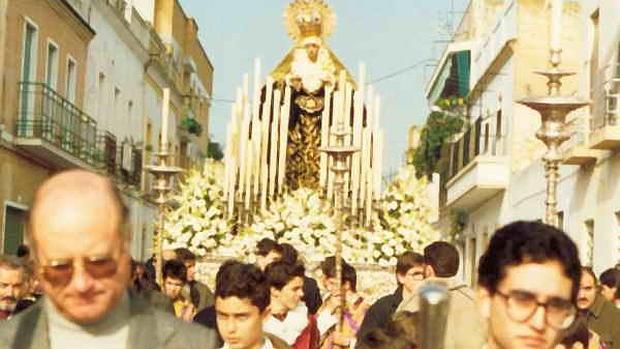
(75, 286)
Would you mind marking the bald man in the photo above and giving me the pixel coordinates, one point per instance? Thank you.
(80, 239)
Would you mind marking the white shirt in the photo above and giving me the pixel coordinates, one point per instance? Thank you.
(291, 327)
(112, 332)
(266, 344)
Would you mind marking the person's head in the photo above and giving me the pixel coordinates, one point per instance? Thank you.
(241, 305)
(267, 252)
(399, 333)
(441, 259)
(330, 280)
(286, 283)
(78, 231)
(588, 287)
(23, 251)
(609, 280)
(312, 45)
(13, 282)
(288, 253)
(174, 277)
(189, 259)
(528, 280)
(410, 270)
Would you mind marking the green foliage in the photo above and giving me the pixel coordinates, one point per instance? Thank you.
(439, 127)
(214, 151)
(458, 221)
(191, 125)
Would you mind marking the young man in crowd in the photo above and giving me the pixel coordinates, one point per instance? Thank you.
(13, 284)
(242, 300)
(409, 275)
(356, 306)
(528, 281)
(83, 263)
(174, 279)
(267, 252)
(312, 294)
(198, 293)
(296, 328)
(609, 285)
(441, 261)
(601, 315)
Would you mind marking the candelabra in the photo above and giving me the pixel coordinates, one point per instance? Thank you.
(553, 110)
(163, 172)
(340, 154)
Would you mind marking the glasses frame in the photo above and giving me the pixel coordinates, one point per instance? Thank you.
(565, 324)
(109, 267)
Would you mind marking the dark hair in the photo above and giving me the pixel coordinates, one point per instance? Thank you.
(244, 281)
(328, 268)
(589, 271)
(443, 258)
(281, 273)
(408, 260)
(289, 253)
(266, 245)
(22, 251)
(184, 255)
(610, 277)
(578, 332)
(528, 242)
(175, 269)
(399, 333)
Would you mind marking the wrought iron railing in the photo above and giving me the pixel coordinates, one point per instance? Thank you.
(106, 150)
(46, 115)
(484, 137)
(606, 95)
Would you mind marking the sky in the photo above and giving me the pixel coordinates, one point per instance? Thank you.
(387, 35)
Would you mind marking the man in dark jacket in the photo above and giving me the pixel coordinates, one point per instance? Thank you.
(409, 275)
(198, 293)
(602, 316)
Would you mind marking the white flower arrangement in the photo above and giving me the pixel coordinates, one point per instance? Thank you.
(303, 219)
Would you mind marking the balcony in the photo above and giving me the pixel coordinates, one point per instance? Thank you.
(478, 167)
(606, 110)
(53, 130)
(576, 150)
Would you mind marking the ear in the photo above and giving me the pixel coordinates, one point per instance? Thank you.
(483, 300)
(429, 272)
(266, 312)
(275, 293)
(400, 278)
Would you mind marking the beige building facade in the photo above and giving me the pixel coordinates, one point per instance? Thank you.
(82, 87)
(493, 173)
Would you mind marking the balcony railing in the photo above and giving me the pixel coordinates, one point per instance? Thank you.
(106, 151)
(606, 107)
(482, 138)
(46, 115)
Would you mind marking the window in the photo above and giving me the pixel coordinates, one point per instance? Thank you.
(101, 102)
(29, 57)
(29, 68)
(561, 220)
(70, 83)
(588, 244)
(51, 65)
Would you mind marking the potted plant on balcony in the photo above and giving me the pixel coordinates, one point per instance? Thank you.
(191, 126)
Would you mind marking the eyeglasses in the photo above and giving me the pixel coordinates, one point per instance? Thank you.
(521, 306)
(416, 275)
(59, 272)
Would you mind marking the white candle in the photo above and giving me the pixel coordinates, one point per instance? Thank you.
(164, 119)
(556, 24)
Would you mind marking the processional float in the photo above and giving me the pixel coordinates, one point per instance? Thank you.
(274, 138)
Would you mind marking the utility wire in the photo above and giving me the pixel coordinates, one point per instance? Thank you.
(400, 71)
(383, 78)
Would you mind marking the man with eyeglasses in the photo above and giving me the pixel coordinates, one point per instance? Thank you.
(463, 330)
(601, 315)
(80, 239)
(409, 276)
(528, 281)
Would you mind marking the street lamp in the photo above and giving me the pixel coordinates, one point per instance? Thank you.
(553, 109)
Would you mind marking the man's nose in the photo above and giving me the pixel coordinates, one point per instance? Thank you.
(81, 281)
(538, 321)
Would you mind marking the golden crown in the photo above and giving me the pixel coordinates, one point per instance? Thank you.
(306, 18)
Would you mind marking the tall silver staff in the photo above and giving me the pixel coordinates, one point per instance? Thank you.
(340, 153)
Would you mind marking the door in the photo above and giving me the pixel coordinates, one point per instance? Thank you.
(14, 227)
